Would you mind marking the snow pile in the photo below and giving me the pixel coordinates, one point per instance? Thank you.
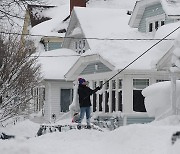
(50, 27)
(153, 138)
(158, 98)
(171, 7)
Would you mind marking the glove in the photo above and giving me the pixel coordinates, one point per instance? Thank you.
(99, 87)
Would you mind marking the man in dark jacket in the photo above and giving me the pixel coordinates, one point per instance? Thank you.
(84, 101)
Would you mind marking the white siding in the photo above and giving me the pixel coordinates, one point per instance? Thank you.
(52, 96)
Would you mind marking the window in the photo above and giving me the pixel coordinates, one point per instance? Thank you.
(162, 23)
(153, 23)
(156, 25)
(80, 46)
(52, 45)
(150, 27)
(138, 98)
(140, 83)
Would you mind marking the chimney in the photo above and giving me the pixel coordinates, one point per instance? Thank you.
(80, 3)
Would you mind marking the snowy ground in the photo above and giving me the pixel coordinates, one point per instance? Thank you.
(153, 138)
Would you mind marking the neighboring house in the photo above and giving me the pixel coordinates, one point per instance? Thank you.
(38, 14)
(102, 58)
(148, 16)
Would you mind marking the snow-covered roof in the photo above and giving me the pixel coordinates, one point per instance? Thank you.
(55, 23)
(112, 24)
(171, 7)
(56, 63)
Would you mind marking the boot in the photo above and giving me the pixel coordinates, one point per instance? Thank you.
(78, 126)
(88, 126)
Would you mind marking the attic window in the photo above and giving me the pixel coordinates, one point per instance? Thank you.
(150, 27)
(153, 23)
(80, 46)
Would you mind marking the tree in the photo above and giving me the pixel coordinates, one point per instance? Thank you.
(12, 13)
(19, 73)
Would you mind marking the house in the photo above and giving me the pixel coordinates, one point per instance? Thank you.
(107, 46)
(37, 19)
(110, 56)
(148, 16)
(47, 28)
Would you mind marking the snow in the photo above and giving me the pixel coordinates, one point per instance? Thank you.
(158, 98)
(56, 63)
(114, 25)
(152, 138)
(171, 7)
(50, 27)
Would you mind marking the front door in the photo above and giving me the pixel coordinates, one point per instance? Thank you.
(66, 99)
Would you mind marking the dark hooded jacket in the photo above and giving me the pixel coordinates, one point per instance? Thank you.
(84, 95)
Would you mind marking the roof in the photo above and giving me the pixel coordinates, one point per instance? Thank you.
(56, 63)
(110, 27)
(170, 7)
(56, 24)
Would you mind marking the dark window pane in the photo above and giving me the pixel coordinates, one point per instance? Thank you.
(162, 23)
(150, 27)
(138, 101)
(156, 25)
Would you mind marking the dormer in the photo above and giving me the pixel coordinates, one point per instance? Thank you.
(148, 16)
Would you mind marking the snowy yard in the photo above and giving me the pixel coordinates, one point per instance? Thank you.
(153, 138)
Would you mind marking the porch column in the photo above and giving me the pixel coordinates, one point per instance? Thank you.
(110, 96)
(117, 94)
(91, 86)
(103, 97)
(97, 97)
(127, 94)
(49, 101)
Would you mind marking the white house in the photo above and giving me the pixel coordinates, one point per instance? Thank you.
(107, 45)
(58, 91)
(111, 49)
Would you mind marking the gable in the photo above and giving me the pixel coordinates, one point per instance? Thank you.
(150, 12)
(139, 10)
(97, 67)
(89, 64)
(74, 38)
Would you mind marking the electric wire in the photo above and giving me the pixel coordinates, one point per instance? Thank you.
(88, 38)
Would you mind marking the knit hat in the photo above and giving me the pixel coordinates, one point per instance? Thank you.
(81, 80)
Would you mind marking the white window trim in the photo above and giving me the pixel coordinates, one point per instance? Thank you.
(153, 19)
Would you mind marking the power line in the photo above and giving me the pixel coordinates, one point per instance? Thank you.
(90, 38)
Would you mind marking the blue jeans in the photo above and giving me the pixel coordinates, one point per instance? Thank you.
(84, 110)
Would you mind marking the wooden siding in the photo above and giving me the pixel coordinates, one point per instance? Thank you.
(95, 68)
(52, 96)
(151, 11)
